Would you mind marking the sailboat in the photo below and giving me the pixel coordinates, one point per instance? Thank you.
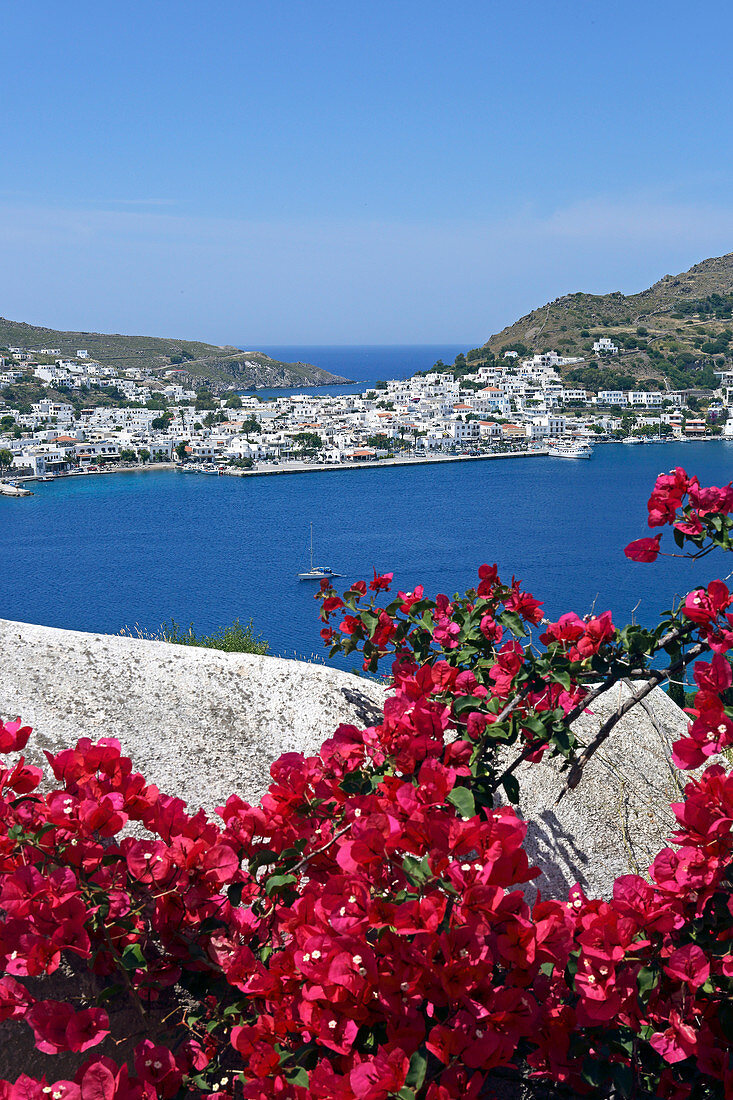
(316, 572)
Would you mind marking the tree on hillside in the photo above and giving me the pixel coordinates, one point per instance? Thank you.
(382, 442)
(308, 442)
(205, 400)
(234, 402)
(251, 426)
(181, 451)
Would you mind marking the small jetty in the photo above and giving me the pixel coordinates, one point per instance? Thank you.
(7, 490)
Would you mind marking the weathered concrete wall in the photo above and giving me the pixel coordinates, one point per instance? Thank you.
(619, 817)
(203, 724)
(199, 723)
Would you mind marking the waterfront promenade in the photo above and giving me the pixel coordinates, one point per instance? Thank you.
(297, 466)
(290, 466)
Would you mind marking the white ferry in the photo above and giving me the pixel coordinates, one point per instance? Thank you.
(570, 449)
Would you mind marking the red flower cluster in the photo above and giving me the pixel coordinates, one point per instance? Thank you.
(694, 512)
(362, 932)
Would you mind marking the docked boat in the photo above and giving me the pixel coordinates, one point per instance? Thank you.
(570, 449)
(316, 572)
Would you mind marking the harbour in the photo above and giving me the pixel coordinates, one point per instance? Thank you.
(102, 552)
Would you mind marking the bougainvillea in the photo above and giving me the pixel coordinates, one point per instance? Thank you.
(362, 932)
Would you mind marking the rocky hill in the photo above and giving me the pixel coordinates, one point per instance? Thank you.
(221, 368)
(680, 329)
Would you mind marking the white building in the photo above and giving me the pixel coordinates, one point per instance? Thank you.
(604, 346)
(649, 399)
(46, 409)
(611, 397)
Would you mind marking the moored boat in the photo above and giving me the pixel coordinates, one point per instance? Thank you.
(570, 449)
(316, 572)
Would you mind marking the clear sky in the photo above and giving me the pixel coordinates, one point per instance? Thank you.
(331, 171)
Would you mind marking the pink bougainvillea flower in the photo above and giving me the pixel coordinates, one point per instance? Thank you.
(690, 964)
(644, 550)
(382, 582)
(679, 1040)
(13, 736)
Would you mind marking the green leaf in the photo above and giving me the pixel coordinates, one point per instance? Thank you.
(416, 870)
(299, 1077)
(110, 992)
(562, 677)
(133, 958)
(512, 622)
(511, 787)
(234, 893)
(595, 1072)
(463, 800)
(262, 858)
(534, 725)
(276, 882)
(647, 979)
(417, 1070)
(468, 703)
(623, 1078)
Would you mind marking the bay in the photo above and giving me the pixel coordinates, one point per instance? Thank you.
(99, 553)
(364, 363)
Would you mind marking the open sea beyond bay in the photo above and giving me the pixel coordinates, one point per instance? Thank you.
(99, 553)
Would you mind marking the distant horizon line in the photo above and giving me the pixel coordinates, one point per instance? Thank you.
(435, 344)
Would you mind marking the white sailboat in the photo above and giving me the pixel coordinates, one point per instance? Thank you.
(316, 572)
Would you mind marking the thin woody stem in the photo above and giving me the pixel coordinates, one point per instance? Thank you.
(655, 678)
(302, 862)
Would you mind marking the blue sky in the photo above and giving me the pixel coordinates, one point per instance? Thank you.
(342, 172)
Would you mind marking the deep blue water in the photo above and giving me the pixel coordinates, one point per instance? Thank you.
(99, 553)
(363, 363)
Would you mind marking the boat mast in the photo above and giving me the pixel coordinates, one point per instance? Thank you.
(311, 547)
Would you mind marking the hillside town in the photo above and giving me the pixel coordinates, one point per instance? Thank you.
(496, 406)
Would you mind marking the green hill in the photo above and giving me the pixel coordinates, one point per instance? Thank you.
(679, 330)
(221, 368)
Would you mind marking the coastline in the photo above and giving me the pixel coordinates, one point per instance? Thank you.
(294, 466)
(139, 469)
(266, 469)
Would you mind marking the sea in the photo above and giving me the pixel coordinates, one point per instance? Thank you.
(363, 364)
(104, 553)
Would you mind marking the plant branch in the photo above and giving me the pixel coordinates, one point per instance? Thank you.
(302, 862)
(654, 680)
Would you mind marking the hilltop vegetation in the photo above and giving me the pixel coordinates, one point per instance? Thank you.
(678, 332)
(221, 368)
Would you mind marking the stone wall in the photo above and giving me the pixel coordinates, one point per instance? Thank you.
(202, 724)
(199, 723)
